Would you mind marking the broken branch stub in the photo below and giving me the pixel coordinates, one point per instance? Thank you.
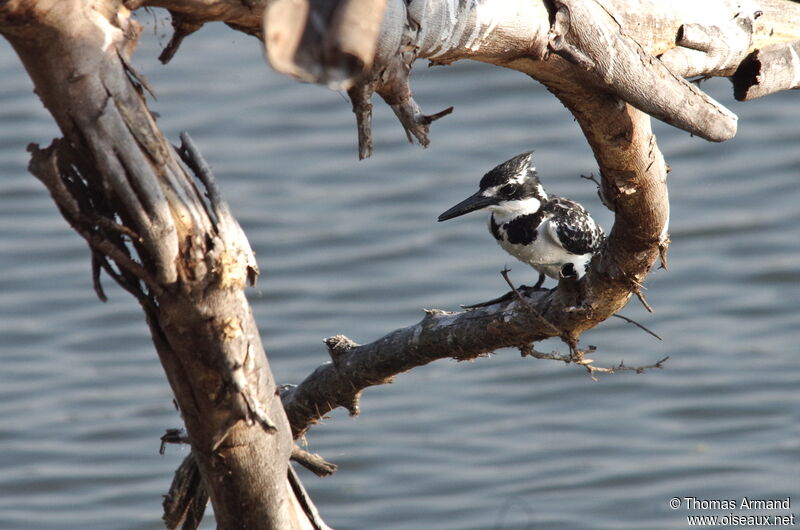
(717, 48)
(330, 43)
(768, 70)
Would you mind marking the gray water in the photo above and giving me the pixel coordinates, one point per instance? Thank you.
(353, 247)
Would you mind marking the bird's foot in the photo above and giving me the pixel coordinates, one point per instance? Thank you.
(493, 301)
(525, 290)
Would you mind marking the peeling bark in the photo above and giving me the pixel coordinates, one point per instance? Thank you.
(140, 204)
(124, 188)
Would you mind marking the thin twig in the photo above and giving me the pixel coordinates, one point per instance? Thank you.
(313, 462)
(640, 326)
(578, 358)
(662, 253)
(194, 159)
(643, 300)
(525, 303)
(305, 501)
(173, 436)
(98, 286)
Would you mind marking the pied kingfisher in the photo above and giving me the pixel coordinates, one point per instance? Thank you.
(555, 236)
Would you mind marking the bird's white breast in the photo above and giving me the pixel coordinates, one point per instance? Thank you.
(545, 253)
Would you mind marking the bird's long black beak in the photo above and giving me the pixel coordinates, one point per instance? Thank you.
(470, 204)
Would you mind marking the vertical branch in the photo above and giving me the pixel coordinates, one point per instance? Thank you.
(121, 186)
(634, 186)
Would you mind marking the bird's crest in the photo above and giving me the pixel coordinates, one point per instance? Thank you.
(518, 168)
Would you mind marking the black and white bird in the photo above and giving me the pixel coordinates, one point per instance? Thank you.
(554, 235)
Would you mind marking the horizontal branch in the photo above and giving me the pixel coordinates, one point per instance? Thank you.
(465, 335)
(515, 322)
(767, 71)
(717, 48)
(239, 14)
(619, 45)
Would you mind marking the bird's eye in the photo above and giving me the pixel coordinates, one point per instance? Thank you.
(509, 189)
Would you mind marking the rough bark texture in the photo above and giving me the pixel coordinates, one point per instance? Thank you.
(124, 189)
(601, 60)
(613, 64)
(768, 70)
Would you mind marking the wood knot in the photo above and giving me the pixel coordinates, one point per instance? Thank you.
(433, 313)
(338, 345)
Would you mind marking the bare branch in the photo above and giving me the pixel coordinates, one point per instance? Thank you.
(618, 45)
(579, 358)
(439, 335)
(182, 26)
(184, 257)
(718, 48)
(590, 35)
(313, 462)
(305, 502)
(638, 325)
(361, 99)
(241, 15)
(767, 71)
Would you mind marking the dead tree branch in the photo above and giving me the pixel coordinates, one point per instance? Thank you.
(439, 335)
(466, 335)
(590, 36)
(124, 188)
(768, 70)
(579, 358)
(143, 213)
(638, 55)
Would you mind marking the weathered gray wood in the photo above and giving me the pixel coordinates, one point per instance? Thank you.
(185, 258)
(717, 49)
(326, 42)
(509, 32)
(768, 70)
(590, 35)
(597, 57)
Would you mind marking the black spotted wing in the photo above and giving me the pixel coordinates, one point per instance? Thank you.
(572, 226)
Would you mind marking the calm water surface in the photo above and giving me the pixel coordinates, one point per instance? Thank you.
(353, 247)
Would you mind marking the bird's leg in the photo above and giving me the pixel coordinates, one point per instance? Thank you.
(513, 292)
(493, 301)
